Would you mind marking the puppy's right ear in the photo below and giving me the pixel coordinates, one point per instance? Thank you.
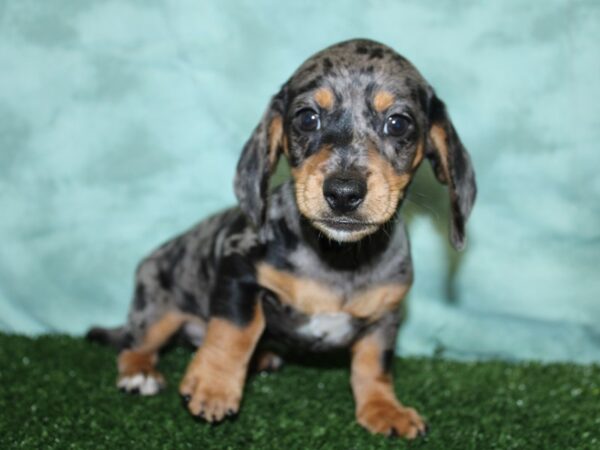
(259, 160)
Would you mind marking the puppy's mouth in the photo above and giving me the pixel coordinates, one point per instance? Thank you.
(345, 224)
(345, 230)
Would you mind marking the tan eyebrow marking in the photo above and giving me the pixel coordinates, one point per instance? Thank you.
(324, 98)
(383, 100)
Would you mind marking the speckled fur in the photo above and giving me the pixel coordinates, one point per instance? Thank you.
(210, 270)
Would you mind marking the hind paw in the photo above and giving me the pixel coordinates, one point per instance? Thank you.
(141, 383)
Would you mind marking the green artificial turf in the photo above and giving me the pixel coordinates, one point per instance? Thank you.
(58, 392)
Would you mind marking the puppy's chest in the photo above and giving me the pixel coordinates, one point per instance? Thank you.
(327, 313)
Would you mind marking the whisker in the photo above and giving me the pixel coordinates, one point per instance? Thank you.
(426, 207)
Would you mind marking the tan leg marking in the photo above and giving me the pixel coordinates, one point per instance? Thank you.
(214, 380)
(136, 366)
(377, 408)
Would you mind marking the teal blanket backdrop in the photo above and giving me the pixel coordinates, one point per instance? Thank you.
(121, 123)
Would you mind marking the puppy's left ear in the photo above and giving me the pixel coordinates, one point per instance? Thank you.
(259, 159)
(452, 166)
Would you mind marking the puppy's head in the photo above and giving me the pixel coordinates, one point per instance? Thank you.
(355, 121)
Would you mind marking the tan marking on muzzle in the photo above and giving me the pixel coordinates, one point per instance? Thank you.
(385, 187)
(309, 178)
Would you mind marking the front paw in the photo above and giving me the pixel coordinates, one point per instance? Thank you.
(389, 418)
(209, 398)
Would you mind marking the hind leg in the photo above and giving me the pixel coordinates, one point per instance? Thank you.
(137, 374)
(137, 366)
(153, 319)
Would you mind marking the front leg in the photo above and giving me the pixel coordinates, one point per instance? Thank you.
(377, 408)
(214, 380)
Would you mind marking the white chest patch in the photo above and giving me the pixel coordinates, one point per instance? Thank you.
(332, 328)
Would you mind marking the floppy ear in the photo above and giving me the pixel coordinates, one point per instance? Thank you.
(452, 166)
(258, 161)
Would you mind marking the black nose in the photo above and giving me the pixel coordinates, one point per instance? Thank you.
(344, 193)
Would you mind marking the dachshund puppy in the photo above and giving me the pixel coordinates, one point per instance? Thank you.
(320, 262)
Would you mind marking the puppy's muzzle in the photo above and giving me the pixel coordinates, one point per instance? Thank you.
(344, 192)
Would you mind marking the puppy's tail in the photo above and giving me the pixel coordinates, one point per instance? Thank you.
(117, 337)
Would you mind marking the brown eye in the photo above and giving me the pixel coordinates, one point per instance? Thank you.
(397, 125)
(308, 120)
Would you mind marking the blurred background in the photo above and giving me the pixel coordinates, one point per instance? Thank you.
(121, 123)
